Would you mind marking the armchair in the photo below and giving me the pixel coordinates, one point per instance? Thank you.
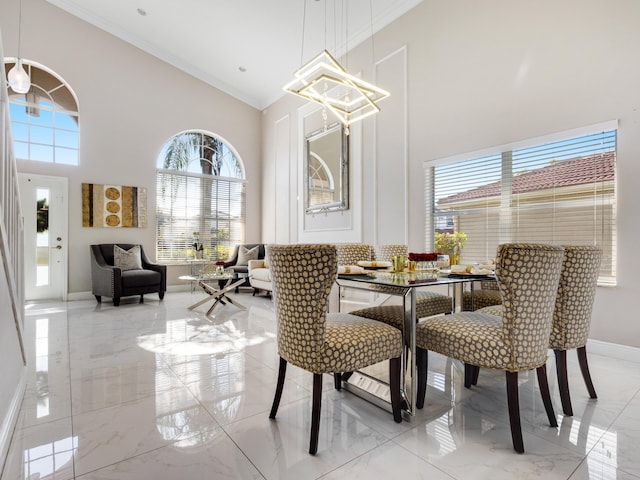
(240, 263)
(111, 281)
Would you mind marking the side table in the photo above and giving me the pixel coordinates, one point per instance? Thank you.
(215, 289)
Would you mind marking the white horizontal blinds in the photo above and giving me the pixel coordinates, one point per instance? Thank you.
(564, 193)
(560, 192)
(189, 203)
(461, 204)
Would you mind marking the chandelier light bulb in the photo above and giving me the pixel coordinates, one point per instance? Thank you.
(18, 78)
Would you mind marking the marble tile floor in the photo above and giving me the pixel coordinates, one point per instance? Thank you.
(155, 391)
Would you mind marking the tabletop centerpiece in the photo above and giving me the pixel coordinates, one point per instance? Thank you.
(450, 244)
(424, 261)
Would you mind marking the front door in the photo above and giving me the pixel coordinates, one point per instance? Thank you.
(43, 200)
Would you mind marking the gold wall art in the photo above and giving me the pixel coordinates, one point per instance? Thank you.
(113, 206)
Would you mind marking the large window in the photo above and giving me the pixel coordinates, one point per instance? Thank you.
(557, 190)
(200, 198)
(44, 121)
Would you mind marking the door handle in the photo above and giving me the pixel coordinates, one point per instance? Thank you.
(59, 247)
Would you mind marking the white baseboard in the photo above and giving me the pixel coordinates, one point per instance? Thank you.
(9, 422)
(614, 350)
(89, 295)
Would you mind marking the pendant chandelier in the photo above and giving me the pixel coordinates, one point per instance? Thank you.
(17, 78)
(325, 81)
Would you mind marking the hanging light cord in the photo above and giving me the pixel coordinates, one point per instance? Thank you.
(19, 29)
(304, 20)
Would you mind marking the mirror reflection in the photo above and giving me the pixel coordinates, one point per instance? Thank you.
(326, 167)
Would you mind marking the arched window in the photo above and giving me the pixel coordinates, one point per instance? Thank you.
(44, 121)
(200, 198)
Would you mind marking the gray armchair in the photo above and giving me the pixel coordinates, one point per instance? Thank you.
(110, 281)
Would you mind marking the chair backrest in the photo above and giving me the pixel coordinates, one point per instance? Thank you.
(528, 276)
(106, 250)
(352, 253)
(383, 253)
(576, 292)
(302, 278)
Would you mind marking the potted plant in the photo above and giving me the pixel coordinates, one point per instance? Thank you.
(450, 244)
(197, 246)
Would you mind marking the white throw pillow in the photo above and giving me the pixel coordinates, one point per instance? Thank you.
(245, 254)
(127, 259)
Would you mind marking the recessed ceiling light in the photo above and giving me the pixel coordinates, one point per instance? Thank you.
(242, 69)
(142, 12)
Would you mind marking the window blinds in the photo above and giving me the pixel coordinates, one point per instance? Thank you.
(560, 192)
(188, 203)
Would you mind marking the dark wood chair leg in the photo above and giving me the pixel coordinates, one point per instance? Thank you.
(282, 371)
(395, 369)
(116, 301)
(141, 298)
(315, 413)
(337, 381)
(584, 368)
(98, 298)
(563, 381)
(476, 374)
(160, 295)
(514, 411)
(468, 375)
(422, 361)
(543, 383)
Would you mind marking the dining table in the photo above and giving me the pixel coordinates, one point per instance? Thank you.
(404, 285)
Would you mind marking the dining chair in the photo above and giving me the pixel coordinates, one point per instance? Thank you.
(528, 276)
(427, 302)
(571, 317)
(487, 295)
(320, 342)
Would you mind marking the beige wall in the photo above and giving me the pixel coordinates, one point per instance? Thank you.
(130, 104)
(464, 75)
(467, 75)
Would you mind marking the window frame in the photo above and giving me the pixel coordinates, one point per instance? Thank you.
(194, 186)
(58, 132)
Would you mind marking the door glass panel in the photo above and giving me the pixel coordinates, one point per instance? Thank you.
(42, 236)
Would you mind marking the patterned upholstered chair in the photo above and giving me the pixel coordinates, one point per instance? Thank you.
(487, 295)
(427, 302)
(528, 277)
(352, 253)
(320, 342)
(571, 316)
(383, 253)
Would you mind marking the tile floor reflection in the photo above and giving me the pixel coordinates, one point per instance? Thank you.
(157, 391)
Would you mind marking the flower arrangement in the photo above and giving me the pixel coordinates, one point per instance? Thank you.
(219, 267)
(450, 243)
(422, 257)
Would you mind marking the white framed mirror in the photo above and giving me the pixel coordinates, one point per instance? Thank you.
(326, 170)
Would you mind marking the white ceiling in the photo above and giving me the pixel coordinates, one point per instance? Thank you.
(214, 39)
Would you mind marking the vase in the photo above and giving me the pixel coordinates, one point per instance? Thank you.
(454, 259)
(220, 270)
(426, 265)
